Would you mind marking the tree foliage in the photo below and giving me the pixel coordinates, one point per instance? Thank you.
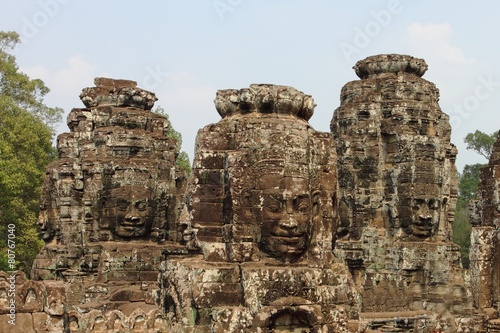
(26, 93)
(26, 131)
(481, 142)
(182, 160)
(469, 181)
(461, 232)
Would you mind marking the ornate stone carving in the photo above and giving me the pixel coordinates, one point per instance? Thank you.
(397, 189)
(112, 201)
(262, 200)
(128, 211)
(284, 207)
(396, 163)
(280, 228)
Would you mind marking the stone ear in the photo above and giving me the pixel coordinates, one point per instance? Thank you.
(315, 201)
(246, 195)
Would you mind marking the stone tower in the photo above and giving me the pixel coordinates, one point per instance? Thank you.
(262, 205)
(397, 192)
(111, 201)
(485, 241)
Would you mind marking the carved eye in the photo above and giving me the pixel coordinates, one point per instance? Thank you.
(122, 206)
(274, 208)
(433, 204)
(418, 203)
(303, 208)
(141, 205)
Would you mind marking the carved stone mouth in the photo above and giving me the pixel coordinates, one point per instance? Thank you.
(289, 240)
(131, 224)
(131, 228)
(285, 235)
(424, 222)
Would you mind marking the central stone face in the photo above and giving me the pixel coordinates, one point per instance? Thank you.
(283, 206)
(264, 164)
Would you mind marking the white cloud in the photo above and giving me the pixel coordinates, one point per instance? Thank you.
(76, 73)
(436, 41)
(449, 67)
(458, 76)
(64, 83)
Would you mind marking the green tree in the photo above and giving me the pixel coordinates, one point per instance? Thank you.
(481, 142)
(468, 183)
(26, 131)
(182, 160)
(461, 232)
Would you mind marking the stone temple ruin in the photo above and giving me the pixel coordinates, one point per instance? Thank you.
(279, 228)
(397, 192)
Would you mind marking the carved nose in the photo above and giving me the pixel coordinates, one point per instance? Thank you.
(427, 216)
(132, 215)
(425, 213)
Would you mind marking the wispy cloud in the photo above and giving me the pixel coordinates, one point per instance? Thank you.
(467, 86)
(436, 40)
(73, 76)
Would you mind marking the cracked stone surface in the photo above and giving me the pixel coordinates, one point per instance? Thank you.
(111, 202)
(397, 190)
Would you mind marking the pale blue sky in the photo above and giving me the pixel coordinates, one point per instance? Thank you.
(185, 50)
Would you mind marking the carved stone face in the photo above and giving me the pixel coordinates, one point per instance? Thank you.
(283, 207)
(47, 221)
(420, 218)
(129, 211)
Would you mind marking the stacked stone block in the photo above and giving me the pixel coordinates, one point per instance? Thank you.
(245, 278)
(485, 239)
(397, 190)
(111, 202)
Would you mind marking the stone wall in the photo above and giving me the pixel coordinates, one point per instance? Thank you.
(38, 306)
(42, 307)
